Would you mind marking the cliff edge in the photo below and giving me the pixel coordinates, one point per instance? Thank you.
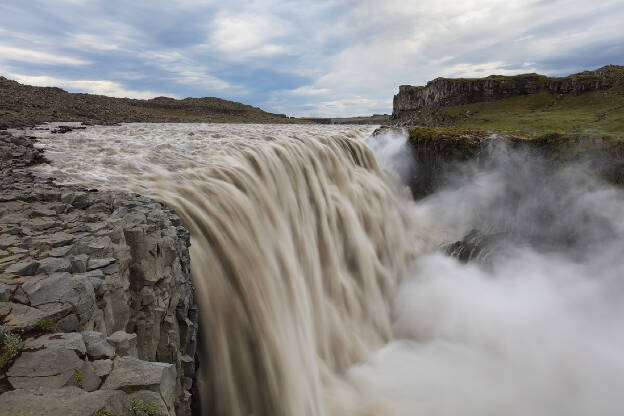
(421, 104)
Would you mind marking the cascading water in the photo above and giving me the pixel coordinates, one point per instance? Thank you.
(322, 291)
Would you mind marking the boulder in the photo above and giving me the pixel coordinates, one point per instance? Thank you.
(52, 367)
(124, 343)
(63, 289)
(97, 345)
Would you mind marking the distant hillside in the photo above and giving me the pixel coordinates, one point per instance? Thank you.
(24, 105)
(589, 103)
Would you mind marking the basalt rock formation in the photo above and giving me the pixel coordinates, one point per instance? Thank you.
(25, 105)
(97, 308)
(420, 104)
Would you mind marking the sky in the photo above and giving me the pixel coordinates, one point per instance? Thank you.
(303, 58)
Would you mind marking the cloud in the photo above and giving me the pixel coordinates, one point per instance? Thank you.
(241, 36)
(9, 53)
(298, 57)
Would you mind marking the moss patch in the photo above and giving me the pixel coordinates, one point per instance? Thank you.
(141, 408)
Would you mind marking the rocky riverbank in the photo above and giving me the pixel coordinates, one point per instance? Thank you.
(97, 312)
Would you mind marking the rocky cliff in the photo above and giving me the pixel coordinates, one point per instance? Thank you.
(417, 103)
(97, 309)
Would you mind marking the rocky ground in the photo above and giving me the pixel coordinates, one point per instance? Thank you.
(97, 315)
(25, 105)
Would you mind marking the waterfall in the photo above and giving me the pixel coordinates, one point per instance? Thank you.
(324, 289)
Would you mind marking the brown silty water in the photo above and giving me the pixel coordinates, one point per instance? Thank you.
(298, 244)
(323, 290)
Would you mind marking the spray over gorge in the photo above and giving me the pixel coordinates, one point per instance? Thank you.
(324, 289)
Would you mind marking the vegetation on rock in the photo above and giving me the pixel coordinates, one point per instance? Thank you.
(141, 408)
(9, 346)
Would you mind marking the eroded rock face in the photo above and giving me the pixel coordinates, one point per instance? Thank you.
(110, 270)
(416, 102)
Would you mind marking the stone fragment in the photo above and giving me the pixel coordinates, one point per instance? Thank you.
(54, 264)
(26, 267)
(7, 241)
(79, 263)
(19, 317)
(70, 323)
(71, 341)
(5, 292)
(42, 212)
(11, 259)
(102, 368)
(124, 343)
(21, 296)
(68, 401)
(97, 345)
(100, 263)
(131, 374)
(59, 239)
(42, 223)
(60, 251)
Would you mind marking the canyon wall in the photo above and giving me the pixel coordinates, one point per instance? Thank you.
(97, 307)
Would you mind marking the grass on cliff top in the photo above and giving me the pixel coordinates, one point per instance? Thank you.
(597, 113)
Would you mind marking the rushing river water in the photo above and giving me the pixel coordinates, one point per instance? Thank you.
(323, 289)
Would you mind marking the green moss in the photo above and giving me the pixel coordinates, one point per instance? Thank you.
(46, 325)
(78, 378)
(141, 408)
(9, 346)
(592, 114)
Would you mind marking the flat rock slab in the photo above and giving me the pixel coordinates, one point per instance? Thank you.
(64, 289)
(69, 401)
(71, 341)
(18, 316)
(52, 367)
(131, 374)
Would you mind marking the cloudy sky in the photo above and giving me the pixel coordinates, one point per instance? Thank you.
(304, 58)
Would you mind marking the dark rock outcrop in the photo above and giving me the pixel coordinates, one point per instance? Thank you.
(419, 105)
(438, 152)
(90, 277)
